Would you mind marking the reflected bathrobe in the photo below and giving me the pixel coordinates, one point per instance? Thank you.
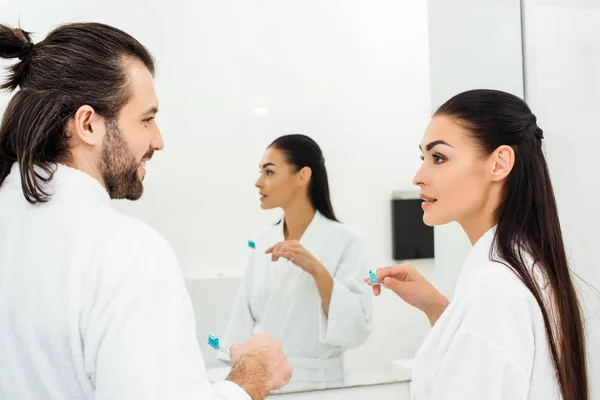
(282, 299)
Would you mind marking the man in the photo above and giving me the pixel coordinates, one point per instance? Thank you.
(92, 303)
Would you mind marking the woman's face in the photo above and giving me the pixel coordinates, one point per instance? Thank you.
(456, 179)
(278, 182)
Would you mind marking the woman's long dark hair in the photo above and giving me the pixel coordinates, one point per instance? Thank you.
(528, 224)
(301, 151)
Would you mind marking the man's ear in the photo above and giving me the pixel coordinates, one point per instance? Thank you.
(87, 126)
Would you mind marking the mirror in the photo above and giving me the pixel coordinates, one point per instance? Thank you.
(359, 78)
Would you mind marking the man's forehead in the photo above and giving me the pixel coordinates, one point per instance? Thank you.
(141, 83)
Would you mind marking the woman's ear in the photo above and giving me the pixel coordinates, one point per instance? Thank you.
(503, 161)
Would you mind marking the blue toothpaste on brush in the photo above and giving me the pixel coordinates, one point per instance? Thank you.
(373, 278)
(213, 341)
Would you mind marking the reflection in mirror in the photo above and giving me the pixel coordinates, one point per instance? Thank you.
(303, 281)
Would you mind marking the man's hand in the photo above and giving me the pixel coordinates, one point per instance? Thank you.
(259, 366)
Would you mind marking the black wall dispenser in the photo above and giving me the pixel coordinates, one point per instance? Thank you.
(411, 238)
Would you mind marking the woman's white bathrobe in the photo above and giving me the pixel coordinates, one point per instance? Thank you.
(490, 343)
(282, 299)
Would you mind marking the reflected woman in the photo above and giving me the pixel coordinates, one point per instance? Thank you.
(303, 281)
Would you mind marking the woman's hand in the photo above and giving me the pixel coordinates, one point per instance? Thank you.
(296, 253)
(413, 288)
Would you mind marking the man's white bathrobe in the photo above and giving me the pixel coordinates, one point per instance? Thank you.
(282, 299)
(490, 343)
(92, 303)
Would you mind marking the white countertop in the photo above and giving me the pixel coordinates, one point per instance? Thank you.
(398, 371)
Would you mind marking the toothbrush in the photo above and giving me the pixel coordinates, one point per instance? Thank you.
(213, 341)
(252, 245)
(373, 278)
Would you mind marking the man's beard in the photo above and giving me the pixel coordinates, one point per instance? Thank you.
(118, 166)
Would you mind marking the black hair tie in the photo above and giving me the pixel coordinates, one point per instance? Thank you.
(539, 133)
(25, 52)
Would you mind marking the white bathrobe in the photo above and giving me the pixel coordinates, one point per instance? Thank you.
(490, 343)
(282, 299)
(92, 303)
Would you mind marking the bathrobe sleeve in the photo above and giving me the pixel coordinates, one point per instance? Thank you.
(139, 337)
(350, 322)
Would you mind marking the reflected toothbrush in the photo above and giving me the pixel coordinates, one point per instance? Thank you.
(252, 245)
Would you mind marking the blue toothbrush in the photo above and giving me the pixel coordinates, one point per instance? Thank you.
(213, 341)
(373, 278)
(252, 245)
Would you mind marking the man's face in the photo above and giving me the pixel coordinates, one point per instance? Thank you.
(131, 140)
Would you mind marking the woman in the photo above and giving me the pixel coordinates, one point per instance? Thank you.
(514, 327)
(303, 282)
